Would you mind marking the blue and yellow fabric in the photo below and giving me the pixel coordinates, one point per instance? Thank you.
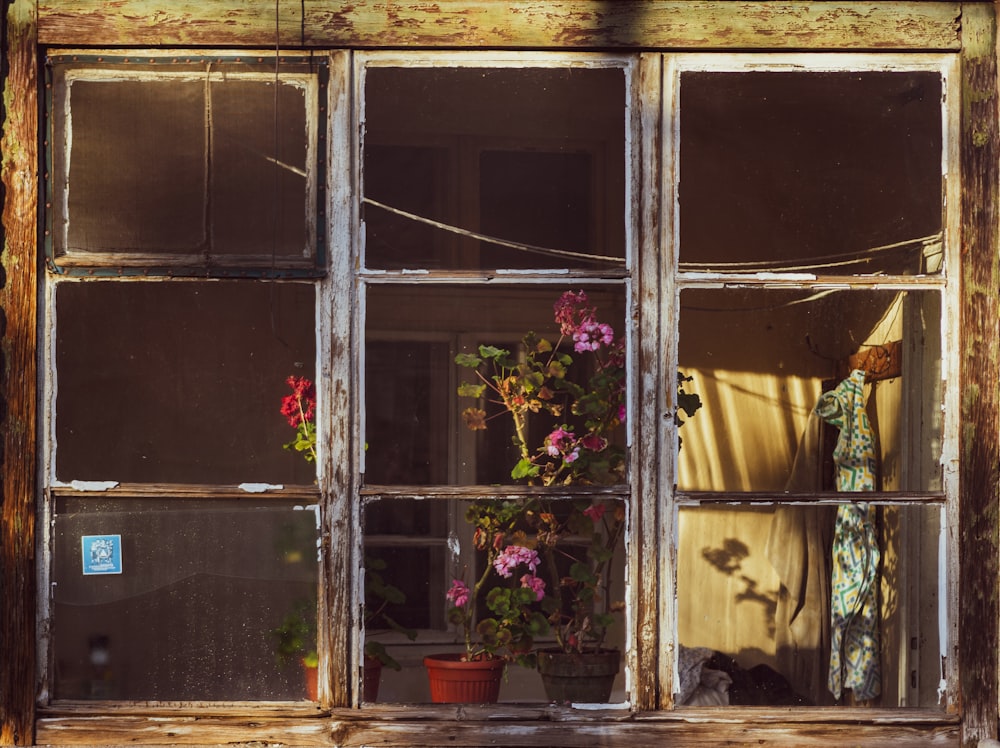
(854, 610)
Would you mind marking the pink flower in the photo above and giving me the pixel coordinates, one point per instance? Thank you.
(595, 512)
(594, 443)
(591, 335)
(567, 309)
(511, 557)
(458, 594)
(558, 442)
(535, 584)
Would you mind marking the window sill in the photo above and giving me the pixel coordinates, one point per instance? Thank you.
(295, 724)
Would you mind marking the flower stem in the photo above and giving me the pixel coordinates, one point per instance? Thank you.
(304, 428)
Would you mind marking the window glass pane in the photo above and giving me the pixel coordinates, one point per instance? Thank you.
(570, 551)
(761, 358)
(765, 593)
(420, 429)
(180, 382)
(788, 169)
(206, 164)
(531, 156)
(180, 599)
(404, 540)
(396, 241)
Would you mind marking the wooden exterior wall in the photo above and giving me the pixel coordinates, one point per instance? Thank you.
(18, 284)
(533, 24)
(979, 461)
(968, 28)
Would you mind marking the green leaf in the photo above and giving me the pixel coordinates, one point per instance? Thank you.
(524, 468)
(377, 650)
(532, 381)
(489, 631)
(581, 573)
(604, 620)
(600, 553)
(468, 359)
(537, 624)
(492, 352)
(393, 595)
(471, 389)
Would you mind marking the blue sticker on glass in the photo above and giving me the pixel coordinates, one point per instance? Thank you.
(102, 554)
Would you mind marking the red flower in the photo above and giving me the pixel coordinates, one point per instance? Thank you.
(301, 404)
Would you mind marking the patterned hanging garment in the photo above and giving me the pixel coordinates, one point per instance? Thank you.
(854, 636)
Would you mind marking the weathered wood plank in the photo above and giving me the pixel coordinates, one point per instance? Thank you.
(341, 600)
(18, 313)
(979, 458)
(648, 585)
(539, 24)
(192, 730)
(178, 22)
(501, 713)
(185, 491)
(707, 735)
(467, 731)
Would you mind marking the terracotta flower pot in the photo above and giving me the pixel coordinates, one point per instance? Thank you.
(311, 674)
(456, 681)
(372, 677)
(578, 678)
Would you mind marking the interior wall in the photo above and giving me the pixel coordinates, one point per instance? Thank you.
(753, 434)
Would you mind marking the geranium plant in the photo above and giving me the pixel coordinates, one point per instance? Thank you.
(585, 538)
(577, 539)
(508, 585)
(299, 408)
(577, 450)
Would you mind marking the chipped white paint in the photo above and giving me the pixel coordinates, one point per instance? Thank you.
(260, 487)
(87, 485)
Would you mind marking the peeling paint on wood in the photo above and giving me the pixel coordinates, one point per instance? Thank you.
(979, 461)
(539, 24)
(648, 659)
(471, 725)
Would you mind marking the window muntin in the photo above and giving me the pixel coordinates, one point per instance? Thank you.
(215, 163)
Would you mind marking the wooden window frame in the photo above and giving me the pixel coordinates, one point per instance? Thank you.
(965, 29)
